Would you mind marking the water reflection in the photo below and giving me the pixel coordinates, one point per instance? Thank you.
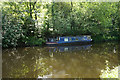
(36, 62)
(69, 48)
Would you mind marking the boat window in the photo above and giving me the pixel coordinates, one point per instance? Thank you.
(83, 38)
(70, 39)
(80, 38)
(66, 39)
(76, 39)
(57, 39)
(73, 38)
(52, 40)
(61, 39)
(89, 37)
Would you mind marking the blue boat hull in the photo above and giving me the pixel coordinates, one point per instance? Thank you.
(62, 42)
(68, 40)
(69, 43)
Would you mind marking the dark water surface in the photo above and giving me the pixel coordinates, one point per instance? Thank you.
(60, 62)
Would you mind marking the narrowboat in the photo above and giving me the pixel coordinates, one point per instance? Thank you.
(68, 40)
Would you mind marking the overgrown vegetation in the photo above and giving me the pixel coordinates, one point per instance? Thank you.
(30, 23)
(114, 73)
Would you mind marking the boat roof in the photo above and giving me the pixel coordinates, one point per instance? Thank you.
(69, 36)
(75, 36)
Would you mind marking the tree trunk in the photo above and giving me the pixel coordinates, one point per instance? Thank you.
(71, 16)
(53, 20)
(30, 8)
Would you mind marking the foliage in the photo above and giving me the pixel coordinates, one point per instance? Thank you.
(110, 73)
(12, 30)
(18, 24)
(34, 41)
(11, 35)
(98, 19)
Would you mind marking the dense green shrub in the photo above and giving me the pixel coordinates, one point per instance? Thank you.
(33, 41)
(12, 32)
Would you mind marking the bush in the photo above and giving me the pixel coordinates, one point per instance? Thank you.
(34, 41)
(11, 34)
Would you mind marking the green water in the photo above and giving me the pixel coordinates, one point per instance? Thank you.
(61, 62)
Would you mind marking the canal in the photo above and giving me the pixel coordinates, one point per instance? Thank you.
(78, 61)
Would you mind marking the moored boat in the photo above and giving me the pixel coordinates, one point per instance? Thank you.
(68, 40)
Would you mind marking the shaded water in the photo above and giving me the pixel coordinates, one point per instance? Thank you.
(59, 62)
